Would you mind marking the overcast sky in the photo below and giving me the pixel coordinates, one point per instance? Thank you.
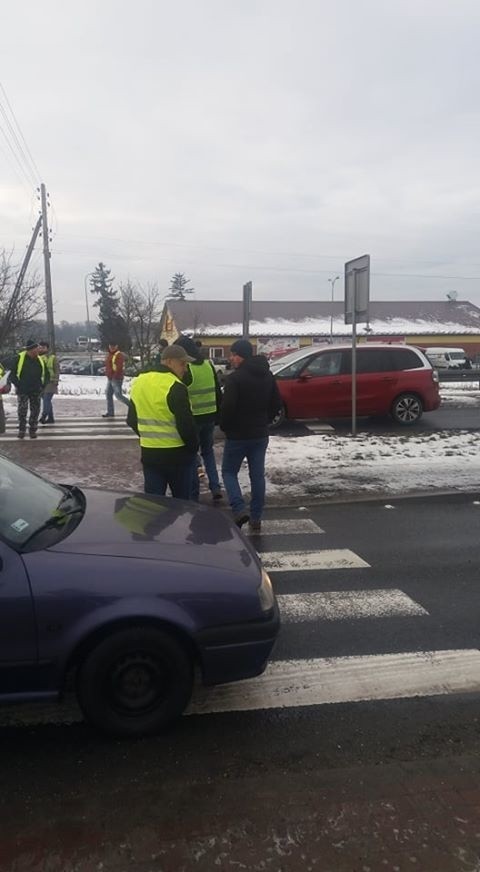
(268, 140)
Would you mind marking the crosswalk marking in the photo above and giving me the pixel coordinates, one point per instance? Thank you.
(72, 428)
(337, 605)
(346, 679)
(319, 428)
(284, 527)
(303, 683)
(337, 558)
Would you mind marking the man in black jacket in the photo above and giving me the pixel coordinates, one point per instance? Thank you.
(29, 374)
(159, 412)
(251, 400)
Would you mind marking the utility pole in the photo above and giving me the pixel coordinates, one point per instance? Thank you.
(8, 321)
(48, 276)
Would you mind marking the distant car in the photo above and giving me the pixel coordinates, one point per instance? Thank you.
(126, 596)
(65, 364)
(222, 367)
(396, 380)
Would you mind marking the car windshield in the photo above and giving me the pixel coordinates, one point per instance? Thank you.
(292, 357)
(31, 506)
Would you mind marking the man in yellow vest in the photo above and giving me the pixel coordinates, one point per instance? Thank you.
(159, 412)
(29, 375)
(53, 370)
(205, 398)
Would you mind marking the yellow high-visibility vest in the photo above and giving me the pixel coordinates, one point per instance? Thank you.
(156, 423)
(21, 361)
(202, 389)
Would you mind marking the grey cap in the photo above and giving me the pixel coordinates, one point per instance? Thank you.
(174, 352)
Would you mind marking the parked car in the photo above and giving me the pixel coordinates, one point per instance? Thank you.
(396, 380)
(128, 595)
(447, 358)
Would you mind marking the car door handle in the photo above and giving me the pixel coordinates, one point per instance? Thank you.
(388, 378)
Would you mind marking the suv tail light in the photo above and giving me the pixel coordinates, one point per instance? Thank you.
(435, 376)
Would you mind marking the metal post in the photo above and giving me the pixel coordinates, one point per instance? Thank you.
(46, 265)
(247, 307)
(88, 322)
(332, 282)
(354, 357)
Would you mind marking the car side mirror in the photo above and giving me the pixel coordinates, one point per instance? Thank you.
(305, 377)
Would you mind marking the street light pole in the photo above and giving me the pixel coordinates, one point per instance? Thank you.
(332, 282)
(88, 321)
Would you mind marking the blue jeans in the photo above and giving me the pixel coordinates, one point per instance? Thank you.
(178, 477)
(253, 450)
(47, 409)
(114, 389)
(205, 437)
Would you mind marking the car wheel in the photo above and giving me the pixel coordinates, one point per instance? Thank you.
(407, 409)
(135, 682)
(279, 419)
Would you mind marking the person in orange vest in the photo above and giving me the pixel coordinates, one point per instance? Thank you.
(114, 365)
(29, 374)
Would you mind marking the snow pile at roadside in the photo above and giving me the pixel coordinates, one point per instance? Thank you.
(86, 386)
(325, 465)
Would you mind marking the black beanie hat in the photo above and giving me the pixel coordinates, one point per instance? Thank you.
(243, 348)
(189, 346)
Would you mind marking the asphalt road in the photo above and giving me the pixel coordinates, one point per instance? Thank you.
(317, 780)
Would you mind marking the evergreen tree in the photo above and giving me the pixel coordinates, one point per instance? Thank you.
(178, 287)
(111, 326)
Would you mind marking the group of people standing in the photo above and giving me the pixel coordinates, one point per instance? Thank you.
(174, 408)
(34, 372)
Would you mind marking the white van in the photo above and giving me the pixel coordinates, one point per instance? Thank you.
(447, 358)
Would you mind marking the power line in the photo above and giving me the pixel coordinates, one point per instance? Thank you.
(33, 164)
(20, 165)
(17, 147)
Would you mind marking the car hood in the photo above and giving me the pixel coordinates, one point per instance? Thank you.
(139, 525)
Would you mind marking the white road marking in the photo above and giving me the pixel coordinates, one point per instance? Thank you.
(303, 683)
(338, 558)
(285, 526)
(341, 605)
(320, 428)
(51, 437)
(346, 679)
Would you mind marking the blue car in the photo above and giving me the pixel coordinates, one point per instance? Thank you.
(126, 595)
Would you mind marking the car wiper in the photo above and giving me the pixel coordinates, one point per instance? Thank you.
(59, 516)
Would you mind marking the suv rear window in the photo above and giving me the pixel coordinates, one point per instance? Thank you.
(404, 358)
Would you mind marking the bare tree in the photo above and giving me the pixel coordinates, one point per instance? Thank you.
(18, 306)
(141, 308)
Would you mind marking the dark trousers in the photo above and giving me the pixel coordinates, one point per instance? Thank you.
(235, 452)
(177, 477)
(24, 401)
(47, 408)
(205, 437)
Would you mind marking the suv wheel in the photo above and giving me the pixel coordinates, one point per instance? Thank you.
(407, 409)
(278, 419)
(135, 682)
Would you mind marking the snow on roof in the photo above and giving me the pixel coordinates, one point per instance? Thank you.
(321, 327)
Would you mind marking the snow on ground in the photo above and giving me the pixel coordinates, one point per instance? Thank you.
(323, 466)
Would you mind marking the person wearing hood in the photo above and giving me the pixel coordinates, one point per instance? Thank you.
(251, 400)
(205, 398)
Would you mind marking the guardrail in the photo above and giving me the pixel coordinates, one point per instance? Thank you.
(457, 375)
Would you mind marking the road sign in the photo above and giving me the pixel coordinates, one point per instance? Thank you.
(357, 289)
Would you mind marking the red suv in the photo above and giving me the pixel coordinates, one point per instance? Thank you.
(396, 380)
